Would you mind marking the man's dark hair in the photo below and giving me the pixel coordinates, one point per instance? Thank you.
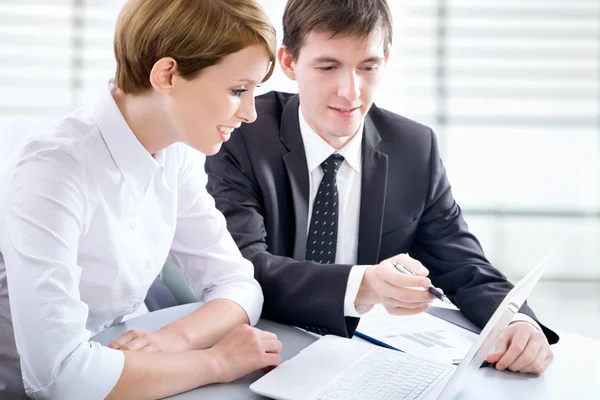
(357, 18)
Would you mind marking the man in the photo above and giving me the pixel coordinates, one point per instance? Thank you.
(326, 191)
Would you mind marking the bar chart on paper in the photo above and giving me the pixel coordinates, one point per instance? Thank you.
(428, 339)
(423, 334)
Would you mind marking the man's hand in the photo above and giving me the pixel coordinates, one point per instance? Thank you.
(400, 294)
(522, 348)
(159, 341)
(245, 349)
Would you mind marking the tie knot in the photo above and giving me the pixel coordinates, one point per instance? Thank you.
(332, 165)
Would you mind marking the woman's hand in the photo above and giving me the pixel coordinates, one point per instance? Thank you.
(244, 350)
(159, 341)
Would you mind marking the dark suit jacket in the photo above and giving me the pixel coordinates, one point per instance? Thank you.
(260, 182)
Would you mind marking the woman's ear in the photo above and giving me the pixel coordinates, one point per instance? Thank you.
(161, 76)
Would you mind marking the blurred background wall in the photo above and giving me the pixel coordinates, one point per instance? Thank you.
(511, 87)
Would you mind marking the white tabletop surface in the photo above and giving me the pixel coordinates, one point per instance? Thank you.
(575, 372)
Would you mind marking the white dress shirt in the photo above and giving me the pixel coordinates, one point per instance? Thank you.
(349, 188)
(349, 191)
(89, 218)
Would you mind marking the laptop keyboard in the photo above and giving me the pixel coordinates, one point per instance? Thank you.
(382, 375)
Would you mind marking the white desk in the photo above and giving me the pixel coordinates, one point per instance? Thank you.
(575, 372)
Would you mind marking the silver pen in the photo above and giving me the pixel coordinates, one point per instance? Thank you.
(431, 289)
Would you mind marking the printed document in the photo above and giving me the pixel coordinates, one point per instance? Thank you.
(424, 334)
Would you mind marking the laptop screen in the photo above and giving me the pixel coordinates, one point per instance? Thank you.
(493, 329)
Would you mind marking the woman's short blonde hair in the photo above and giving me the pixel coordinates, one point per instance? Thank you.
(196, 33)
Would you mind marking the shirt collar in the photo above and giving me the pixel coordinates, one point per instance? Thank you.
(134, 162)
(318, 150)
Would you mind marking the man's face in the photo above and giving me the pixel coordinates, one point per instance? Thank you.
(337, 78)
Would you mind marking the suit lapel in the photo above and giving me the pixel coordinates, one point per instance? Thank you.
(297, 171)
(373, 190)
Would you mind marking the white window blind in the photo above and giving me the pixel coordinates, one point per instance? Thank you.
(520, 94)
(54, 54)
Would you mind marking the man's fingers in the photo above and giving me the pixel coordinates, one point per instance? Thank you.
(522, 348)
(518, 343)
(536, 363)
(390, 302)
(539, 365)
(125, 338)
(410, 295)
(406, 311)
(534, 353)
(501, 347)
(494, 357)
(503, 342)
(548, 359)
(399, 279)
(411, 263)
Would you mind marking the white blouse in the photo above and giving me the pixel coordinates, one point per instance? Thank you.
(87, 219)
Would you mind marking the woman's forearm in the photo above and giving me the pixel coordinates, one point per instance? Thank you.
(150, 375)
(207, 325)
(158, 375)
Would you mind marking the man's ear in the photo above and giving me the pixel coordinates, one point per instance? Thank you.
(386, 56)
(286, 61)
(161, 76)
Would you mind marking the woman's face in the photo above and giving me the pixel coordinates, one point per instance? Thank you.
(207, 108)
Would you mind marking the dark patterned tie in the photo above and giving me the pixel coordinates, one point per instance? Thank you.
(322, 236)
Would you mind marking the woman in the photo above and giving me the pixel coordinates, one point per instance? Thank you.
(91, 212)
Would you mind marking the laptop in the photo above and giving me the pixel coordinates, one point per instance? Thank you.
(341, 368)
